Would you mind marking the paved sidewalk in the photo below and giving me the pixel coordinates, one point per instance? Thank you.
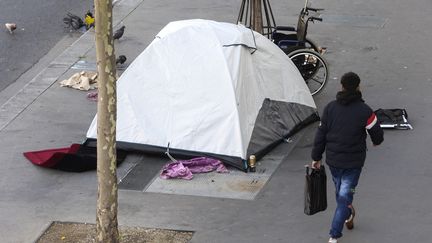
(394, 193)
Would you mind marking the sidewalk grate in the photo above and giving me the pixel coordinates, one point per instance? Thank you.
(234, 185)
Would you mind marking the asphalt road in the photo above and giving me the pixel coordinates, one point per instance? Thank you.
(40, 27)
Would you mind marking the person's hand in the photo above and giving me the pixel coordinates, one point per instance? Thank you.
(374, 144)
(316, 164)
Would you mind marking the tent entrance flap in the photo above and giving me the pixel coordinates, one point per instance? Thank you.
(276, 121)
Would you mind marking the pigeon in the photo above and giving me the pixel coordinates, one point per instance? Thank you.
(11, 27)
(73, 21)
(119, 33)
(121, 59)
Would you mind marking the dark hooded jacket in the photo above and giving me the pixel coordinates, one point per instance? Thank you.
(342, 132)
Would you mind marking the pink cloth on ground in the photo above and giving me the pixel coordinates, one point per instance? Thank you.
(184, 169)
(93, 96)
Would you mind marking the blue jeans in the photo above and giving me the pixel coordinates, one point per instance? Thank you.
(345, 181)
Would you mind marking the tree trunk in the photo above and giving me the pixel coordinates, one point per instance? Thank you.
(257, 19)
(106, 217)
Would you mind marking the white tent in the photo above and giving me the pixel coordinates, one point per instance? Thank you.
(210, 88)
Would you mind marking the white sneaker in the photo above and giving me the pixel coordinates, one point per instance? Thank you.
(332, 240)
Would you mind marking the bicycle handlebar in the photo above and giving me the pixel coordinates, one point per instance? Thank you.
(314, 9)
(315, 18)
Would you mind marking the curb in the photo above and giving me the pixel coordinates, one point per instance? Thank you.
(31, 91)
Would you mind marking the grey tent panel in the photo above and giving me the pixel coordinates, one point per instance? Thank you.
(276, 121)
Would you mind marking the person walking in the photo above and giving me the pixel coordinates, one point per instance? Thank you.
(342, 134)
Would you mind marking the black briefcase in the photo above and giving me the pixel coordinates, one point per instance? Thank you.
(315, 192)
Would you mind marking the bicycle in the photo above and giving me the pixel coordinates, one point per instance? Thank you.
(304, 53)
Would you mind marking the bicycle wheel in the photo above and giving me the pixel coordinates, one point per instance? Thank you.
(312, 67)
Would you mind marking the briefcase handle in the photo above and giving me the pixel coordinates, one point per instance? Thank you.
(308, 167)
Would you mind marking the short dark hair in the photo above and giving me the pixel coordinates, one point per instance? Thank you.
(350, 81)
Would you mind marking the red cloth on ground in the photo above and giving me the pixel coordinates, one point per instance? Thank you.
(50, 157)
